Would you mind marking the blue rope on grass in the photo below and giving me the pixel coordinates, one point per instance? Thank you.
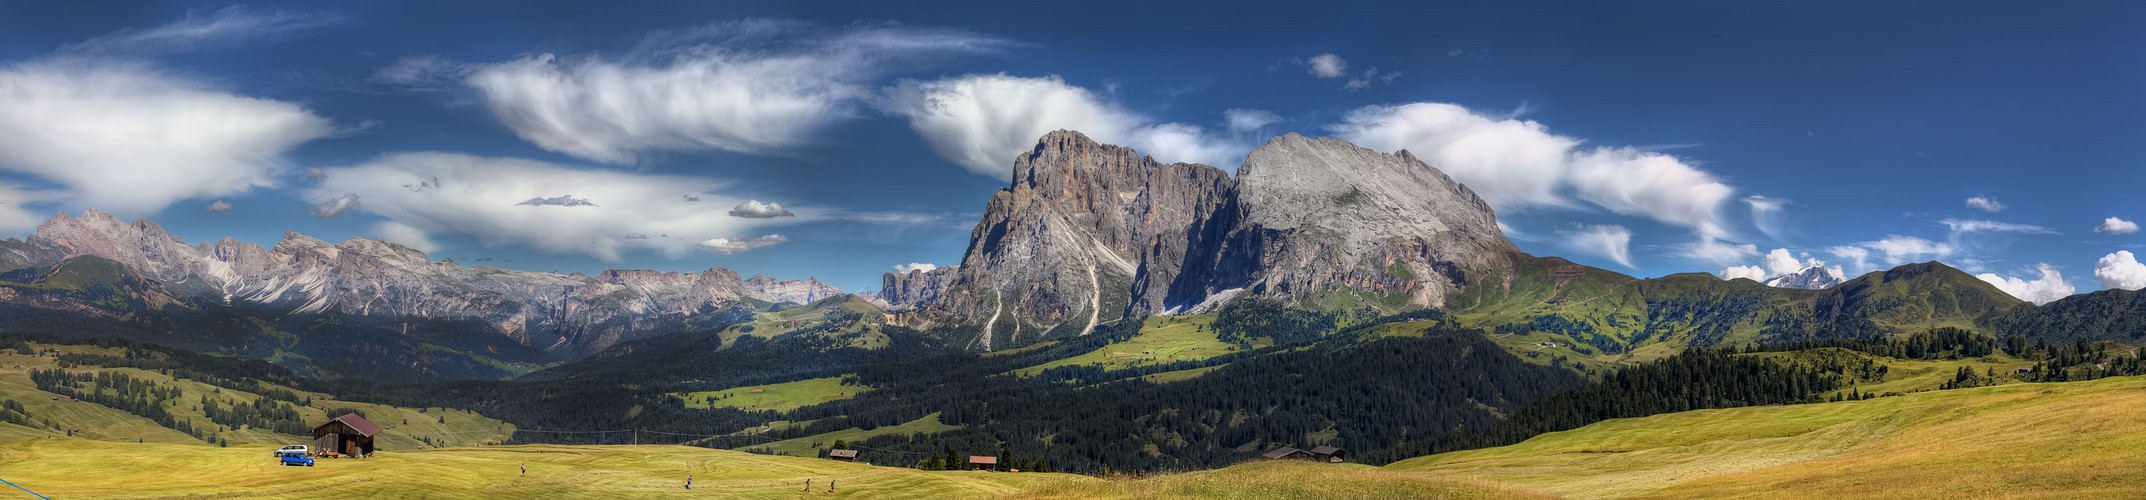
(25, 490)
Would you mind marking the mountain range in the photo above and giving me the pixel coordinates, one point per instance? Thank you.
(1087, 235)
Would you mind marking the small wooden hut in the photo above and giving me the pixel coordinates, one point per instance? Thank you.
(843, 455)
(1286, 453)
(348, 435)
(1329, 454)
(983, 462)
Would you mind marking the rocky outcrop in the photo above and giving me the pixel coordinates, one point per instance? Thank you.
(913, 289)
(1089, 233)
(796, 292)
(564, 314)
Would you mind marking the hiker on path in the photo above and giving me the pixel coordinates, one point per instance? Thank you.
(525, 470)
(689, 482)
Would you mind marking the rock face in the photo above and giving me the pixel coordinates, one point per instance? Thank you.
(905, 291)
(566, 315)
(1810, 278)
(1090, 233)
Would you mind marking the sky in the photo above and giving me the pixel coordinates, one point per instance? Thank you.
(844, 140)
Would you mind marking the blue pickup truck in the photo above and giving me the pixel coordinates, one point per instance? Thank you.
(295, 458)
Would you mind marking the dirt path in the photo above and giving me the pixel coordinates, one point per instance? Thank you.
(1095, 301)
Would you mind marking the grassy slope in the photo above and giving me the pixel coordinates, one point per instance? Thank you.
(810, 446)
(403, 425)
(2052, 440)
(779, 397)
(1162, 339)
(54, 467)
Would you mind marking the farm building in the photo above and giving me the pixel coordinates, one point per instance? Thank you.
(347, 435)
(983, 462)
(1329, 454)
(843, 455)
(1287, 453)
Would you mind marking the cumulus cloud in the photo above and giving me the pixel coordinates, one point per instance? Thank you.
(405, 235)
(1327, 66)
(1241, 120)
(2114, 225)
(914, 266)
(1518, 164)
(1609, 241)
(218, 207)
(336, 206)
(733, 246)
(2120, 270)
(476, 197)
(129, 139)
(1753, 273)
(1894, 249)
(748, 86)
(754, 209)
(1985, 203)
(982, 121)
(227, 27)
(564, 200)
(2048, 288)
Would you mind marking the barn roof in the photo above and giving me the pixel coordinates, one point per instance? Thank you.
(357, 423)
(1325, 450)
(1282, 452)
(978, 459)
(843, 453)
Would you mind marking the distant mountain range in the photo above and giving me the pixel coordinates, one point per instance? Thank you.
(1088, 235)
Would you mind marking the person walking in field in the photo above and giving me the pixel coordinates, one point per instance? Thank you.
(808, 485)
(689, 482)
(525, 470)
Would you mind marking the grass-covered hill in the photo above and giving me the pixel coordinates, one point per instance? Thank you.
(123, 392)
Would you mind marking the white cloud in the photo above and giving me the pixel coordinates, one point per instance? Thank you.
(1243, 120)
(754, 209)
(1327, 66)
(1859, 256)
(1609, 241)
(982, 121)
(1754, 273)
(2120, 270)
(406, 235)
(1369, 76)
(128, 139)
(1518, 164)
(1904, 249)
(1717, 251)
(1766, 215)
(218, 207)
(2114, 225)
(915, 266)
(14, 212)
(2050, 287)
(1780, 261)
(1973, 226)
(335, 207)
(227, 27)
(476, 196)
(750, 86)
(1985, 203)
(734, 246)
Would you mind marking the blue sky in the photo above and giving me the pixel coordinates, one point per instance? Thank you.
(1649, 138)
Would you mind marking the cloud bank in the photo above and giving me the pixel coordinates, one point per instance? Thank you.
(2048, 288)
(982, 121)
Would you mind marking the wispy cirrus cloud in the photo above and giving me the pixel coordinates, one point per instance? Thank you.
(228, 27)
(1609, 241)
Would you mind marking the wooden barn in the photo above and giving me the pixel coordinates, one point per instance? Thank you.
(983, 462)
(843, 455)
(1286, 453)
(1329, 454)
(348, 435)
